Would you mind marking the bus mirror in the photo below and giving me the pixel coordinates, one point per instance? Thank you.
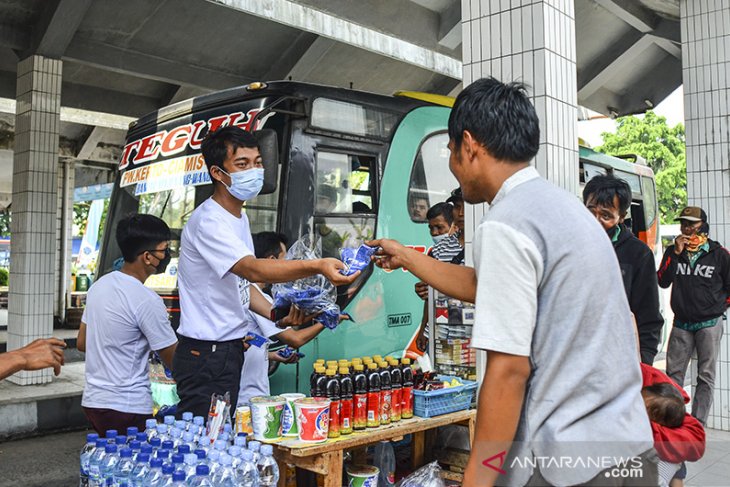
(269, 148)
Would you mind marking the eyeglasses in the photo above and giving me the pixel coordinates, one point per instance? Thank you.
(165, 250)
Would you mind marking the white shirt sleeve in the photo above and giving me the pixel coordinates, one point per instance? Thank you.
(509, 269)
(155, 324)
(267, 327)
(219, 244)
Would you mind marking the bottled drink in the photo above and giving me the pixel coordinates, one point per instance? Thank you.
(178, 460)
(120, 441)
(386, 398)
(347, 407)
(124, 468)
(176, 437)
(396, 387)
(142, 437)
(135, 446)
(109, 463)
(188, 439)
(162, 430)
(240, 440)
(187, 416)
(267, 467)
(181, 424)
(373, 419)
(313, 378)
(360, 398)
(220, 445)
(163, 454)
(384, 459)
(111, 436)
(132, 433)
(169, 420)
(141, 469)
(225, 476)
(85, 456)
(255, 447)
(154, 475)
(333, 394)
(95, 479)
(156, 442)
(247, 473)
(201, 478)
(178, 479)
(407, 391)
(150, 428)
(320, 384)
(212, 460)
(200, 453)
(191, 461)
(167, 445)
(198, 428)
(167, 470)
(204, 443)
(184, 448)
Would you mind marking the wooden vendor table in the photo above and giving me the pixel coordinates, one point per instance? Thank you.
(326, 458)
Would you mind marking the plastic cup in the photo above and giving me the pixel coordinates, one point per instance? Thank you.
(266, 417)
(288, 419)
(362, 476)
(313, 419)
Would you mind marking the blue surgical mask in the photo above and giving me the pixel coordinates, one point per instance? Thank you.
(245, 184)
(439, 238)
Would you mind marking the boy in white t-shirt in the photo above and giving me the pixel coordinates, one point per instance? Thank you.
(124, 321)
(217, 263)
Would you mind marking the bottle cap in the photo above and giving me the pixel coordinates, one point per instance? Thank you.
(111, 434)
(330, 372)
(168, 468)
(168, 445)
(121, 440)
(183, 449)
(202, 470)
(200, 454)
(178, 476)
(156, 442)
(143, 457)
(247, 455)
(267, 450)
(150, 423)
(141, 437)
(135, 444)
(179, 457)
(319, 361)
(180, 424)
(132, 431)
(234, 451)
(372, 366)
(377, 358)
(101, 443)
(191, 458)
(331, 362)
(344, 370)
(320, 369)
(198, 421)
(187, 416)
(146, 448)
(169, 419)
(359, 367)
(91, 437)
(388, 358)
(110, 448)
(406, 361)
(126, 453)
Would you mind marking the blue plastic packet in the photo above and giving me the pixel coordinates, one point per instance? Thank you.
(258, 340)
(287, 352)
(356, 261)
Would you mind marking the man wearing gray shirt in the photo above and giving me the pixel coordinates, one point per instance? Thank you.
(560, 402)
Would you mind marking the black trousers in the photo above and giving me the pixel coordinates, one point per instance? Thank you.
(203, 368)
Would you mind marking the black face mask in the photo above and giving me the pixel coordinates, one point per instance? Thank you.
(162, 266)
(612, 231)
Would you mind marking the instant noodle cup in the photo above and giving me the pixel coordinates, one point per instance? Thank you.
(243, 420)
(288, 418)
(362, 476)
(266, 414)
(313, 419)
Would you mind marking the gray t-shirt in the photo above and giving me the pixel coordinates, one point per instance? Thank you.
(124, 321)
(549, 288)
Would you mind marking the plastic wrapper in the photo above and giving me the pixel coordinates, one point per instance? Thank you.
(356, 259)
(315, 294)
(218, 415)
(162, 385)
(426, 476)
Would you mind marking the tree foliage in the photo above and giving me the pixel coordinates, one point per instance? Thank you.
(663, 147)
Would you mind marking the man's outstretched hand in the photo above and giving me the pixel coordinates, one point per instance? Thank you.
(42, 353)
(391, 255)
(331, 267)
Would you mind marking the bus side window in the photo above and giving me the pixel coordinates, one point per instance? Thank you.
(431, 181)
(344, 183)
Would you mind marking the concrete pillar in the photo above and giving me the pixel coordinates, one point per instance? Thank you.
(35, 179)
(706, 76)
(64, 227)
(531, 41)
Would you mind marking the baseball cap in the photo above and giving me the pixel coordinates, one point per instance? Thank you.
(455, 196)
(693, 214)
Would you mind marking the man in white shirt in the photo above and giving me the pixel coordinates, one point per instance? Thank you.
(217, 263)
(124, 321)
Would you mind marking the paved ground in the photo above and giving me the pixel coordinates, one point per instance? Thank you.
(52, 461)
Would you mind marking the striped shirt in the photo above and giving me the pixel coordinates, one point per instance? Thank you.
(449, 248)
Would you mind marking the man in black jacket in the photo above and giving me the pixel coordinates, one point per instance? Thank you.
(609, 199)
(699, 269)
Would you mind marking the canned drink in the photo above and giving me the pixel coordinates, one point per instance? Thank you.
(266, 417)
(243, 420)
(288, 419)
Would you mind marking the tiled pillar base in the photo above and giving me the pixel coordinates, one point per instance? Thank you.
(33, 227)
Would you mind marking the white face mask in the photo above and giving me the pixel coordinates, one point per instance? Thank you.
(439, 238)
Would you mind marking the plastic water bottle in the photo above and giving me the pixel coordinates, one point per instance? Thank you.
(212, 460)
(111, 436)
(184, 449)
(95, 479)
(150, 428)
(247, 474)
(154, 475)
(178, 479)
(267, 467)
(167, 470)
(109, 464)
(169, 420)
(85, 456)
(162, 431)
(141, 468)
(178, 460)
(224, 437)
(132, 432)
(156, 442)
(121, 441)
(188, 439)
(163, 454)
(123, 471)
(255, 447)
(204, 443)
(225, 476)
(384, 459)
(201, 455)
(167, 445)
(201, 478)
(198, 428)
(142, 437)
(235, 453)
(220, 445)
(191, 461)
(240, 440)
(135, 446)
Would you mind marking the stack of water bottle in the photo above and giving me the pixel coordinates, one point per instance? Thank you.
(174, 454)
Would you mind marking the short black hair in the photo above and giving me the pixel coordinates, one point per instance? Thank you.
(441, 209)
(215, 144)
(666, 405)
(137, 233)
(604, 188)
(499, 116)
(268, 244)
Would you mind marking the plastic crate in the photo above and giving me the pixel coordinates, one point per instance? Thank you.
(428, 404)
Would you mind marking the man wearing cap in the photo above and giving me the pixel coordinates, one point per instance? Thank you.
(699, 269)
